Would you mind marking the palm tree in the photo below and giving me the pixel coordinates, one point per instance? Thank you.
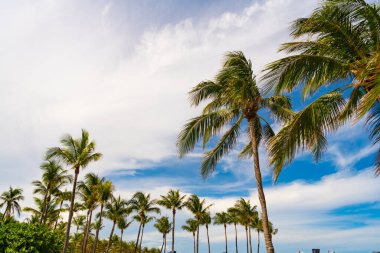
(163, 226)
(115, 210)
(234, 101)
(206, 220)
(234, 218)
(143, 221)
(77, 153)
(192, 227)
(49, 211)
(79, 221)
(122, 224)
(105, 190)
(258, 226)
(198, 208)
(174, 201)
(222, 219)
(61, 197)
(10, 199)
(337, 45)
(142, 204)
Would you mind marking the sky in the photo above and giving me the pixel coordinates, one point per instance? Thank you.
(122, 70)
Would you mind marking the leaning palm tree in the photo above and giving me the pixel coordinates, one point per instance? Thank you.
(115, 210)
(10, 199)
(192, 227)
(122, 224)
(198, 208)
(175, 201)
(336, 46)
(105, 190)
(223, 219)
(234, 101)
(234, 218)
(206, 220)
(77, 153)
(163, 226)
(143, 205)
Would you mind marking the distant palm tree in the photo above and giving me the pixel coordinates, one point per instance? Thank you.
(258, 226)
(163, 226)
(338, 44)
(50, 211)
(174, 201)
(115, 210)
(234, 102)
(75, 239)
(234, 218)
(122, 224)
(223, 219)
(143, 221)
(77, 153)
(105, 190)
(198, 208)
(143, 205)
(206, 220)
(79, 221)
(192, 227)
(61, 197)
(10, 199)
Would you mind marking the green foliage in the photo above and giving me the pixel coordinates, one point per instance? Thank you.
(29, 238)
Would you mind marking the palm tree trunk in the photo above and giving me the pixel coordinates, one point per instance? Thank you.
(208, 239)
(45, 213)
(194, 243)
(137, 240)
(43, 208)
(110, 239)
(197, 239)
(254, 143)
(71, 211)
(87, 232)
(121, 241)
(97, 230)
(59, 213)
(173, 228)
(246, 235)
(258, 241)
(236, 241)
(142, 234)
(225, 236)
(163, 242)
(250, 240)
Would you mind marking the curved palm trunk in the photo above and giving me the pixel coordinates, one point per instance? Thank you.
(258, 241)
(163, 242)
(142, 234)
(173, 228)
(208, 239)
(110, 239)
(121, 241)
(236, 240)
(267, 235)
(97, 230)
(250, 240)
(87, 232)
(59, 213)
(246, 235)
(71, 211)
(225, 236)
(137, 239)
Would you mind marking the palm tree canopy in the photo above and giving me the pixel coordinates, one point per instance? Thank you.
(54, 174)
(191, 226)
(89, 189)
(222, 218)
(163, 225)
(172, 200)
(197, 206)
(244, 211)
(206, 218)
(232, 98)
(116, 209)
(143, 204)
(10, 199)
(122, 223)
(338, 44)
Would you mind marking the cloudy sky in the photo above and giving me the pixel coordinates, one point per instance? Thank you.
(122, 70)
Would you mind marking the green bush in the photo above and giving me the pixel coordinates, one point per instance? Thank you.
(29, 238)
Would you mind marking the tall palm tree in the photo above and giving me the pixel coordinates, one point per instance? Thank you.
(234, 101)
(143, 220)
(10, 199)
(336, 46)
(234, 218)
(174, 201)
(106, 188)
(143, 205)
(77, 153)
(163, 226)
(122, 224)
(192, 227)
(198, 208)
(115, 210)
(206, 220)
(223, 219)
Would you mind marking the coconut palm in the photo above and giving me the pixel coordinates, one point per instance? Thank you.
(192, 227)
(50, 211)
(206, 220)
(122, 224)
(61, 196)
(143, 205)
(336, 46)
(174, 201)
(198, 208)
(258, 226)
(10, 199)
(77, 153)
(105, 190)
(234, 218)
(143, 220)
(163, 226)
(115, 210)
(223, 219)
(79, 221)
(235, 101)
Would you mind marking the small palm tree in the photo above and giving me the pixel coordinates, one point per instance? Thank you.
(258, 226)
(77, 153)
(163, 226)
(192, 227)
(234, 101)
(61, 197)
(79, 221)
(174, 201)
(223, 219)
(234, 218)
(10, 199)
(206, 220)
(122, 224)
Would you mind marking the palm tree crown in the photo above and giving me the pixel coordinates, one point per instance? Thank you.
(10, 199)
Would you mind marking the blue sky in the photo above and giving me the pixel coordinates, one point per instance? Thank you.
(122, 70)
